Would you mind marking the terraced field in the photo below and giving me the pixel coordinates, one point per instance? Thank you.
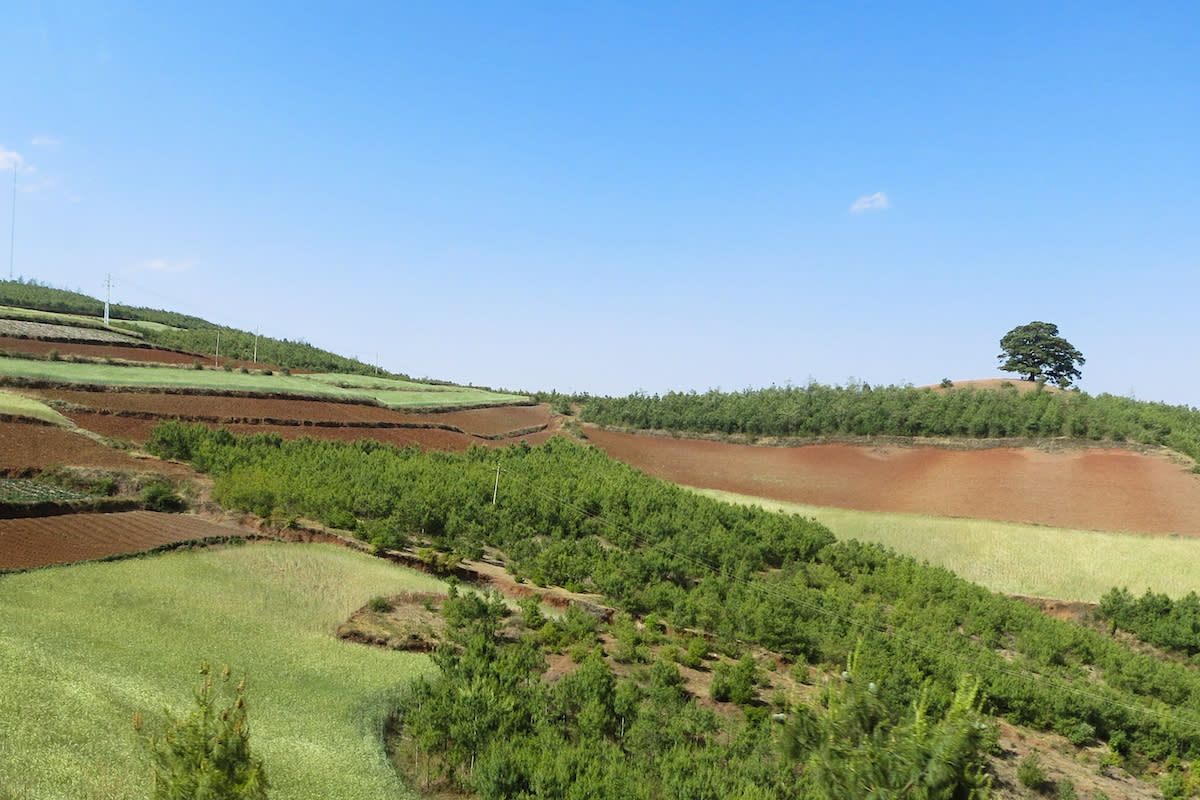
(40, 541)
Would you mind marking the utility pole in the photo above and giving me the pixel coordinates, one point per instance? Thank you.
(496, 488)
(12, 237)
(217, 357)
(255, 358)
(107, 292)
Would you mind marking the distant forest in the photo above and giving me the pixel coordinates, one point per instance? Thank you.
(863, 410)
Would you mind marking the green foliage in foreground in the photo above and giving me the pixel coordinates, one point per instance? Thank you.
(568, 515)
(207, 753)
(489, 728)
(84, 648)
(863, 410)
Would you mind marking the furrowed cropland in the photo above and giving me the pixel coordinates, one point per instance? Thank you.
(705, 650)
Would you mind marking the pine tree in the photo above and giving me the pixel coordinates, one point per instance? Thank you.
(206, 756)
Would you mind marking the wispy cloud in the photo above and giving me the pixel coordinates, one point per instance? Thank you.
(163, 265)
(10, 159)
(870, 202)
(45, 141)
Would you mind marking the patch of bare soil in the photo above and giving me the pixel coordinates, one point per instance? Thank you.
(1106, 489)
(33, 446)
(41, 541)
(1082, 766)
(994, 383)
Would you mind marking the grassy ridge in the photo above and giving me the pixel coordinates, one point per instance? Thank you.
(422, 395)
(1010, 557)
(18, 406)
(83, 648)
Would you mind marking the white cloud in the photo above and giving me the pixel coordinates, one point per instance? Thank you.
(10, 159)
(45, 141)
(870, 202)
(162, 265)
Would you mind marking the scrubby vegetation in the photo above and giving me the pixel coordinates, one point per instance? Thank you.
(1156, 618)
(863, 410)
(568, 515)
(487, 725)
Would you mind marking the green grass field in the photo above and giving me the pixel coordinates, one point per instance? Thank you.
(1016, 559)
(423, 395)
(19, 406)
(84, 647)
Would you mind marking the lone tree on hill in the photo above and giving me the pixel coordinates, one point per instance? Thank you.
(1036, 351)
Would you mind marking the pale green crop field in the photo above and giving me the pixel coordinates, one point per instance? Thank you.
(13, 312)
(175, 377)
(19, 406)
(84, 647)
(1013, 558)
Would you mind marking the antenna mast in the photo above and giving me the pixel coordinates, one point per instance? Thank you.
(12, 237)
(107, 292)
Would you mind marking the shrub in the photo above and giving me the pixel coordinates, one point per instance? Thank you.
(380, 605)
(1081, 733)
(197, 365)
(207, 754)
(1066, 790)
(1030, 772)
(161, 496)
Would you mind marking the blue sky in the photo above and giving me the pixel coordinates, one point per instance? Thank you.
(609, 197)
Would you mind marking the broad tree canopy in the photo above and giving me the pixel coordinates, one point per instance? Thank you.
(1037, 351)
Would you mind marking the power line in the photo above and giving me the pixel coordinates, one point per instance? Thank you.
(12, 237)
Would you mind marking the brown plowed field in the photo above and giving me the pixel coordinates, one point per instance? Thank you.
(147, 354)
(131, 416)
(39, 446)
(39, 541)
(1084, 488)
(136, 429)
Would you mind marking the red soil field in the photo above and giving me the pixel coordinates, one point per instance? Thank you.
(24, 444)
(1085, 488)
(136, 429)
(40, 541)
(130, 415)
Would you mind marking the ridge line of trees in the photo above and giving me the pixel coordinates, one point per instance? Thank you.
(862, 410)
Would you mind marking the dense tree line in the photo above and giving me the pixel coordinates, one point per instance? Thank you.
(1156, 618)
(568, 515)
(863, 410)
